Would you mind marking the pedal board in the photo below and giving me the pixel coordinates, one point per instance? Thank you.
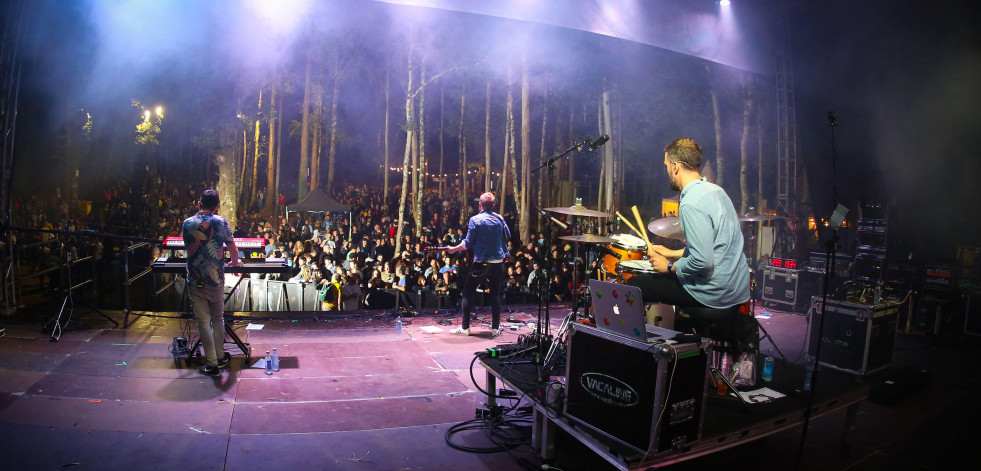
(179, 348)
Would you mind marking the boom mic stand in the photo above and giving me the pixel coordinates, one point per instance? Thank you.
(542, 333)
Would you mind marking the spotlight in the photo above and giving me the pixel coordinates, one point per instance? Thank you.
(724, 3)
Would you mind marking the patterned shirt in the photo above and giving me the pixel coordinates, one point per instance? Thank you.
(205, 236)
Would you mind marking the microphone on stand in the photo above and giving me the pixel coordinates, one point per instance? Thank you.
(606, 251)
(599, 142)
(832, 120)
(556, 221)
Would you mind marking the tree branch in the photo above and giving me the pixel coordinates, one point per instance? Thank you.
(437, 76)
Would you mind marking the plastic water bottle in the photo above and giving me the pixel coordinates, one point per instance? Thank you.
(275, 360)
(398, 325)
(268, 363)
(809, 374)
(768, 367)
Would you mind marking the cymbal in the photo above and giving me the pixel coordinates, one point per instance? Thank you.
(667, 227)
(757, 217)
(588, 238)
(579, 210)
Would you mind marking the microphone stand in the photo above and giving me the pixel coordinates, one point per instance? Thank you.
(550, 162)
(543, 287)
(68, 301)
(542, 336)
(829, 269)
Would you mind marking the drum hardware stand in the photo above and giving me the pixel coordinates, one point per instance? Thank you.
(721, 377)
(752, 312)
(576, 261)
(754, 234)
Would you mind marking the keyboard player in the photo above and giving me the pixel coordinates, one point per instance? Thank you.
(206, 237)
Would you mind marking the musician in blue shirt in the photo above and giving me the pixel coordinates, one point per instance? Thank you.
(711, 270)
(487, 236)
(206, 235)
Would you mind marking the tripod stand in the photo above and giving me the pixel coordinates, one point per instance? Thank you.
(752, 312)
(68, 301)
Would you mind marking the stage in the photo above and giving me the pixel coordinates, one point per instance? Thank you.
(354, 394)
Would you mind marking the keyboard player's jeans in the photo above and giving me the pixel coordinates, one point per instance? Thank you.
(208, 305)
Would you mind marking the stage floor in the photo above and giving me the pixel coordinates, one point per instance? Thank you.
(354, 394)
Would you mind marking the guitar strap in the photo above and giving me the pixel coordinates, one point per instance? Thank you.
(504, 240)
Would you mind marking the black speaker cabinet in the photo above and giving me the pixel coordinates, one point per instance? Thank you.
(856, 338)
(649, 397)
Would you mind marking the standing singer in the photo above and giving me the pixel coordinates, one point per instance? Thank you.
(487, 236)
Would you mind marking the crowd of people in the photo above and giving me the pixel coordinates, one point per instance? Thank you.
(351, 260)
(348, 256)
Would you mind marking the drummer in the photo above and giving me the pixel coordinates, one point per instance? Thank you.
(710, 271)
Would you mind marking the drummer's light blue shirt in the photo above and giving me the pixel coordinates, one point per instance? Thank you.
(713, 269)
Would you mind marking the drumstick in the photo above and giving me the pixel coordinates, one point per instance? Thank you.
(640, 222)
(631, 226)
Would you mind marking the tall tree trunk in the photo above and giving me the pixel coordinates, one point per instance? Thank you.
(572, 162)
(421, 146)
(759, 157)
(464, 207)
(744, 155)
(305, 132)
(271, 151)
(409, 131)
(244, 164)
(524, 209)
(279, 152)
(719, 154)
(602, 177)
(414, 166)
(415, 163)
(487, 163)
(505, 175)
(227, 185)
(255, 161)
(620, 160)
(442, 177)
(316, 133)
(388, 94)
(607, 129)
(512, 164)
(543, 174)
(332, 152)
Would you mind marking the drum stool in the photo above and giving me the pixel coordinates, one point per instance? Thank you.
(733, 325)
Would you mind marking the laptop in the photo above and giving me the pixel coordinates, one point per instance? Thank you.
(619, 309)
